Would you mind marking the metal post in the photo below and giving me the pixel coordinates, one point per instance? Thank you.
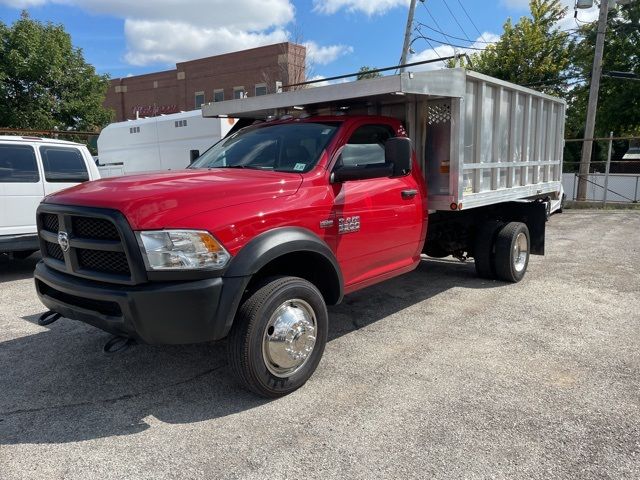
(587, 146)
(606, 171)
(407, 35)
(635, 195)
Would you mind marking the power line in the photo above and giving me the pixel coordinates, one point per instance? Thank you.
(455, 19)
(452, 36)
(448, 43)
(434, 19)
(472, 22)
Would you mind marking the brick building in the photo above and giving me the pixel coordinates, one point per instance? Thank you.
(257, 71)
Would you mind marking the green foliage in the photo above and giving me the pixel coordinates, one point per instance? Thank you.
(366, 72)
(531, 52)
(619, 100)
(45, 82)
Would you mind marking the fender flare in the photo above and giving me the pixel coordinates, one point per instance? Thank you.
(278, 242)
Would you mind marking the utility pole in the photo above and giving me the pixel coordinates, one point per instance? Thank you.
(587, 145)
(407, 34)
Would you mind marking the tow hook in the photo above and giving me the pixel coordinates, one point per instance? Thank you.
(47, 318)
(118, 344)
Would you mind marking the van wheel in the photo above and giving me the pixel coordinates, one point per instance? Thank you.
(512, 252)
(483, 249)
(278, 336)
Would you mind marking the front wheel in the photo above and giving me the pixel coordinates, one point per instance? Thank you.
(278, 336)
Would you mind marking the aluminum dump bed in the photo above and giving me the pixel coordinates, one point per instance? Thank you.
(480, 140)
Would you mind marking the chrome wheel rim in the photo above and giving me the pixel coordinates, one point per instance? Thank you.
(520, 252)
(289, 338)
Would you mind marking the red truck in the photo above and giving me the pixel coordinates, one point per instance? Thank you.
(310, 198)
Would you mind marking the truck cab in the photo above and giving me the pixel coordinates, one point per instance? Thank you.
(300, 205)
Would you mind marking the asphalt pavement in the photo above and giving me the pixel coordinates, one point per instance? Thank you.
(436, 374)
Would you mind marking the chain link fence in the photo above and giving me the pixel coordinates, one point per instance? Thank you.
(614, 174)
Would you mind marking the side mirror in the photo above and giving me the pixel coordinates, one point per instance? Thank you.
(397, 151)
(344, 174)
(193, 155)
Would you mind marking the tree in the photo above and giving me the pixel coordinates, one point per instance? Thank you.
(45, 82)
(367, 72)
(618, 100)
(532, 52)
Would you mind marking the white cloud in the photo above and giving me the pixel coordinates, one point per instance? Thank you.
(369, 7)
(169, 31)
(169, 42)
(324, 55)
(22, 3)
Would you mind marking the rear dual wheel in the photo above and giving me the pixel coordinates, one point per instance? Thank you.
(278, 336)
(502, 250)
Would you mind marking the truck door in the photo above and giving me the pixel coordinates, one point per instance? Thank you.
(379, 221)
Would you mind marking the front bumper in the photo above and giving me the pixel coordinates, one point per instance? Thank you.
(155, 312)
(19, 243)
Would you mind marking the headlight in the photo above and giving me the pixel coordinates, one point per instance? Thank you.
(182, 250)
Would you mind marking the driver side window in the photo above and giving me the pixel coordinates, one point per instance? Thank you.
(366, 146)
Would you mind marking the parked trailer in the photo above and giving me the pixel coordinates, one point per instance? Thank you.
(157, 143)
(321, 195)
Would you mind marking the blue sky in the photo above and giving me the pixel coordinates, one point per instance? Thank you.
(121, 37)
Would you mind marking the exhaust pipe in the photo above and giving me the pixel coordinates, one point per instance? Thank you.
(47, 318)
(118, 344)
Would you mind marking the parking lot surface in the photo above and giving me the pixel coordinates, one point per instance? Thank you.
(436, 374)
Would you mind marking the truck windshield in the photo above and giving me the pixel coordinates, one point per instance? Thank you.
(290, 147)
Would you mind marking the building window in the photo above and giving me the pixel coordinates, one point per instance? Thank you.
(261, 89)
(238, 92)
(218, 95)
(199, 99)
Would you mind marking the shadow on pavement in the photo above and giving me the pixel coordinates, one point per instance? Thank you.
(58, 386)
(14, 269)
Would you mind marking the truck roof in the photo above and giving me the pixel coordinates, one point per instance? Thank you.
(370, 94)
(14, 138)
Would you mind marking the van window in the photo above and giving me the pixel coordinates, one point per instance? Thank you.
(18, 164)
(63, 165)
(366, 146)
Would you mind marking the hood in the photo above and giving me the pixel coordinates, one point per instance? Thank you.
(160, 199)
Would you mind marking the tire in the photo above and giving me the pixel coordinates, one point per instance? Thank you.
(23, 254)
(483, 249)
(512, 252)
(435, 251)
(258, 355)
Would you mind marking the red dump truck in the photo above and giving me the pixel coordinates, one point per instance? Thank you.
(316, 194)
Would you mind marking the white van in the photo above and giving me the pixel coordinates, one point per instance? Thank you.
(30, 168)
(165, 142)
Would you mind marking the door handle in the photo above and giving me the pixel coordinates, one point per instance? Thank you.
(409, 194)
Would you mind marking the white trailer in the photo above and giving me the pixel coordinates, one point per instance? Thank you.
(157, 143)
